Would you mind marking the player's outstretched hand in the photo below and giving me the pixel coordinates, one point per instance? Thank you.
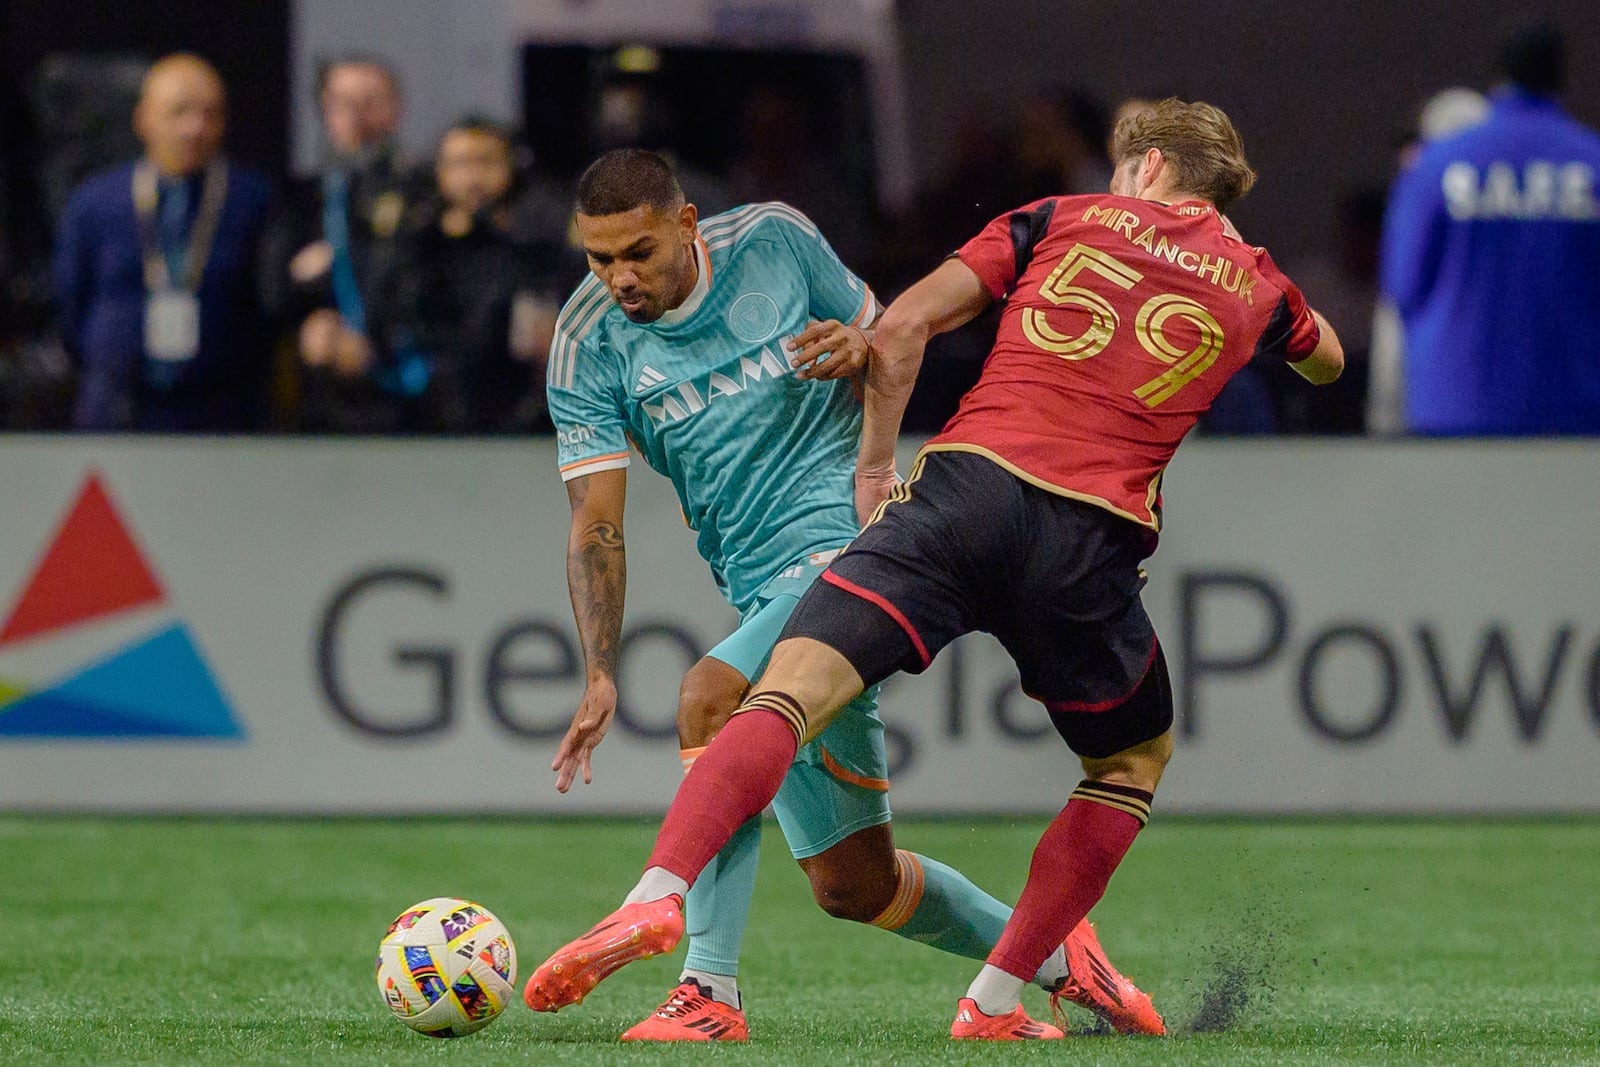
(829, 349)
(873, 486)
(589, 726)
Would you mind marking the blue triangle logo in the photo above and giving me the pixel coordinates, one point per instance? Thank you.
(160, 687)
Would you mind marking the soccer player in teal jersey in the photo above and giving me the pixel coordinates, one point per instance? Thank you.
(720, 350)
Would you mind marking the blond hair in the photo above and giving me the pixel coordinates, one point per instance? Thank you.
(1198, 142)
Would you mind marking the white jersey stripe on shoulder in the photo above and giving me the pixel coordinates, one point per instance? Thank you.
(581, 300)
(572, 329)
(576, 319)
(569, 326)
(731, 217)
(742, 219)
(591, 313)
(724, 238)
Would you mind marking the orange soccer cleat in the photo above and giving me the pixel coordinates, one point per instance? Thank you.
(690, 1014)
(973, 1025)
(632, 932)
(1093, 983)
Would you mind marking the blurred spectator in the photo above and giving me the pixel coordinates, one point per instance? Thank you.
(631, 111)
(1342, 277)
(970, 194)
(964, 198)
(1491, 253)
(1057, 145)
(1060, 145)
(781, 158)
(1447, 112)
(155, 269)
(469, 302)
(332, 242)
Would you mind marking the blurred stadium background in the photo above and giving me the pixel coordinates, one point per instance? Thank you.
(1394, 646)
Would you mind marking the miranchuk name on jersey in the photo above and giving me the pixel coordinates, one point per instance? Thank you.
(1123, 320)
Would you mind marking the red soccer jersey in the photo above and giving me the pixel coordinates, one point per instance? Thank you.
(1123, 320)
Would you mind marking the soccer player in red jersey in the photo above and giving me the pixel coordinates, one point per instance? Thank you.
(1027, 517)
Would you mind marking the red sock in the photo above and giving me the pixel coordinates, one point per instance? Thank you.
(734, 778)
(1071, 866)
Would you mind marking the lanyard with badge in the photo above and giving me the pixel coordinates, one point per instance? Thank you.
(172, 306)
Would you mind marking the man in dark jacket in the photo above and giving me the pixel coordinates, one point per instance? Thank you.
(333, 241)
(155, 268)
(469, 301)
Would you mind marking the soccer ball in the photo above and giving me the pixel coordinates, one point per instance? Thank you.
(447, 967)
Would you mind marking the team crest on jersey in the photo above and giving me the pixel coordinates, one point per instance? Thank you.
(753, 317)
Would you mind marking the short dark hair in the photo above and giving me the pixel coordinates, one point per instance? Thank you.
(1534, 56)
(626, 178)
(356, 59)
(481, 124)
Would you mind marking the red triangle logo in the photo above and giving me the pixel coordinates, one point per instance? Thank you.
(92, 568)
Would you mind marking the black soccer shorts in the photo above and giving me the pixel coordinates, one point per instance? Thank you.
(967, 545)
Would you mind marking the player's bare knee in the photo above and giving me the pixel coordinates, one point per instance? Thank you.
(858, 896)
(707, 698)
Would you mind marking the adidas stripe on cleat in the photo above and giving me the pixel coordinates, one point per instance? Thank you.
(973, 1025)
(632, 932)
(691, 1014)
(1093, 983)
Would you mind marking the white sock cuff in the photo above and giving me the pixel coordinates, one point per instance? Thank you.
(996, 992)
(657, 882)
(724, 987)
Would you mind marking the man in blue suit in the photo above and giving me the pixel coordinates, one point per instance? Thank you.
(156, 271)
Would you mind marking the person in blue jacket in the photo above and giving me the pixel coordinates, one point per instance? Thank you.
(1491, 253)
(156, 271)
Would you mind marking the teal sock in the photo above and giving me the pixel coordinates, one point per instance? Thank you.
(936, 905)
(718, 905)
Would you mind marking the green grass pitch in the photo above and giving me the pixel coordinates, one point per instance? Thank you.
(201, 941)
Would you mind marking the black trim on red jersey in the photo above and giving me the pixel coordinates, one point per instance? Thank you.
(1280, 329)
(1027, 230)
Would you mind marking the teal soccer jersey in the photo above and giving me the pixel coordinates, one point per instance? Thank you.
(762, 460)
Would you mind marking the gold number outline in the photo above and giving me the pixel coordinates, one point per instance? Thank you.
(1059, 290)
(1185, 365)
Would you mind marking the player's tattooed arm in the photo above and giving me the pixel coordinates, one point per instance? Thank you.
(597, 580)
(597, 572)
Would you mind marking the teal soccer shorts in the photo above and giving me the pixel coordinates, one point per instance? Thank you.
(839, 782)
